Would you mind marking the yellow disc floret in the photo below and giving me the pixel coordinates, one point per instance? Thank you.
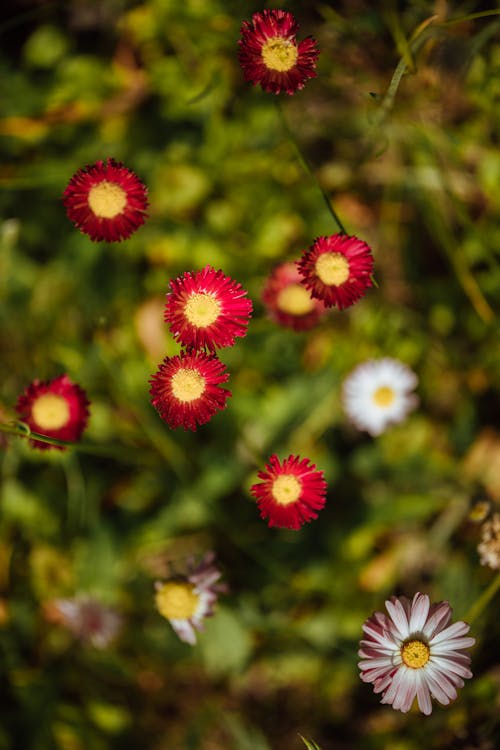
(50, 411)
(383, 396)
(187, 384)
(415, 654)
(177, 600)
(295, 300)
(202, 309)
(286, 489)
(107, 199)
(332, 269)
(279, 54)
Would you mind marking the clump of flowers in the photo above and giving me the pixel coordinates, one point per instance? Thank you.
(185, 390)
(337, 269)
(106, 201)
(86, 618)
(270, 55)
(288, 302)
(56, 408)
(290, 493)
(378, 393)
(489, 546)
(413, 652)
(186, 600)
(207, 310)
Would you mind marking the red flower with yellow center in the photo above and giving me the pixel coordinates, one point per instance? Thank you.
(207, 309)
(337, 269)
(106, 200)
(290, 492)
(56, 408)
(270, 55)
(186, 390)
(288, 302)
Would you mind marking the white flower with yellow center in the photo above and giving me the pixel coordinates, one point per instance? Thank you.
(378, 393)
(413, 652)
(186, 600)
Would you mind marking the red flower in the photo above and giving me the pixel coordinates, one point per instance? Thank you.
(288, 302)
(337, 269)
(207, 309)
(185, 389)
(269, 53)
(290, 492)
(106, 200)
(57, 408)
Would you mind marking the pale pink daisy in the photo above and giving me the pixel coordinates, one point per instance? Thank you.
(415, 653)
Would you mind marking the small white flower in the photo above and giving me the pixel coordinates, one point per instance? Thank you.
(378, 393)
(186, 600)
(415, 653)
(88, 619)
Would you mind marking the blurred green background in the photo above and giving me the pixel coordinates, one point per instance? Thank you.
(157, 85)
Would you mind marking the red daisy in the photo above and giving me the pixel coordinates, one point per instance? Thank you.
(288, 302)
(106, 200)
(269, 53)
(57, 408)
(337, 269)
(207, 309)
(185, 389)
(290, 492)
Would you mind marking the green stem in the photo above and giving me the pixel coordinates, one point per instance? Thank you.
(308, 168)
(471, 17)
(483, 600)
(20, 429)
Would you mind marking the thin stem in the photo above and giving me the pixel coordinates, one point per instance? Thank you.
(20, 429)
(308, 168)
(483, 600)
(471, 17)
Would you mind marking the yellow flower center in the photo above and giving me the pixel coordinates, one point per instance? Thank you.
(332, 269)
(177, 600)
(279, 54)
(295, 300)
(286, 489)
(50, 411)
(415, 654)
(202, 309)
(107, 199)
(383, 396)
(187, 384)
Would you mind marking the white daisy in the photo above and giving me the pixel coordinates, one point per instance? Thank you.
(186, 600)
(414, 652)
(378, 393)
(87, 618)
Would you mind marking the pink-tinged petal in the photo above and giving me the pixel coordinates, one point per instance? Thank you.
(454, 644)
(453, 664)
(419, 612)
(457, 629)
(439, 617)
(374, 675)
(399, 618)
(383, 682)
(372, 663)
(184, 630)
(407, 692)
(423, 695)
(440, 687)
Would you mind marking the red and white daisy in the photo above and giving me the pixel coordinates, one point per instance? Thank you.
(270, 55)
(186, 390)
(186, 600)
(56, 408)
(290, 492)
(378, 393)
(87, 618)
(337, 269)
(288, 302)
(414, 653)
(106, 200)
(207, 309)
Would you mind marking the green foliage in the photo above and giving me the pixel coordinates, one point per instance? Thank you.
(400, 131)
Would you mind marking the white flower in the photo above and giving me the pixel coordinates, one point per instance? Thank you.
(378, 393)
(413, 652)
(88, 619)
(186, 600)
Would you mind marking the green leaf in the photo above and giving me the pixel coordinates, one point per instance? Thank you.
(310, 744)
